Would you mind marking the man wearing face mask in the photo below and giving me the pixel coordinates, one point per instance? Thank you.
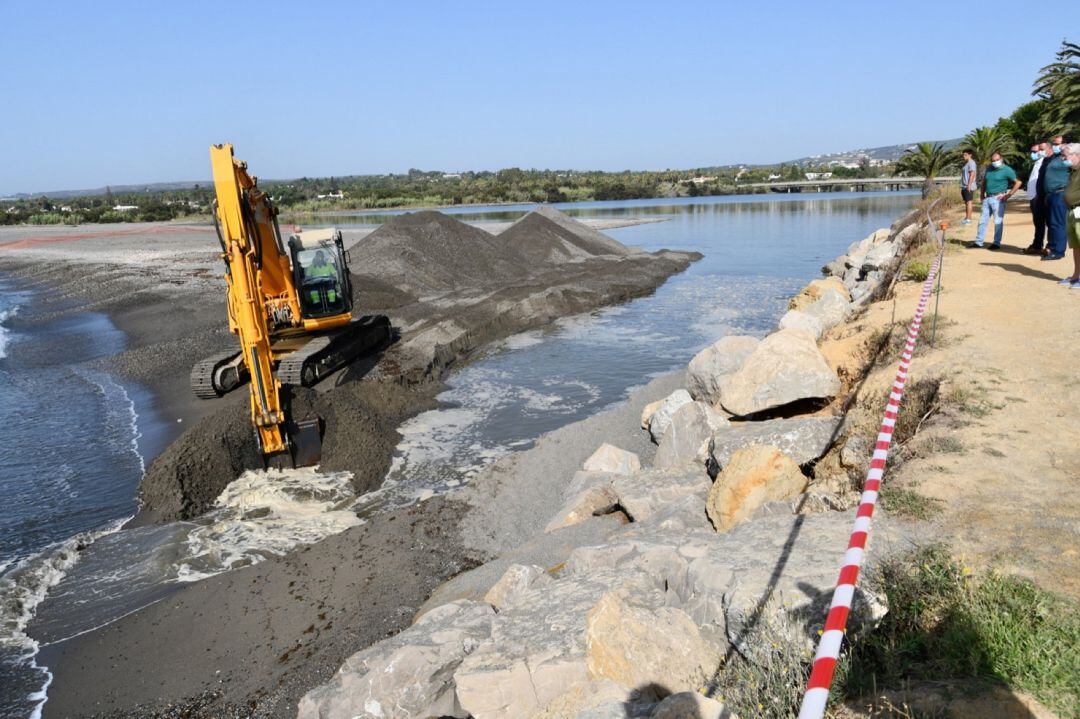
(1039, 152)
(995, 193)
(1070, 155)
(1056, 173)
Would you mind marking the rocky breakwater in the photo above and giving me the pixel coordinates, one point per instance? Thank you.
(448, 288)
(728, 531)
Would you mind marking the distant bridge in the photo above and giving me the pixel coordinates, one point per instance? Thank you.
(850, 184)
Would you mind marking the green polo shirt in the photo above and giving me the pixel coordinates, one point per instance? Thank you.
(999, 179)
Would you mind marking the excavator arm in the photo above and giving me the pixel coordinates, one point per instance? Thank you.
(249, 258)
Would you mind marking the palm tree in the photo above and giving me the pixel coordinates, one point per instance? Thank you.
(983, 142)
(926, 159)
(1059, 84)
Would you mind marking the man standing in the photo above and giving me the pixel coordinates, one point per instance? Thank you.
(995, 193)
(1070, 155)
(968, 173)
(1056, 173)
(1039, 151)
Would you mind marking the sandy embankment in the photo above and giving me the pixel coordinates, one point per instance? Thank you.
(159, 284)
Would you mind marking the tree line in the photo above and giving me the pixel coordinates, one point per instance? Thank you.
(1054, 111)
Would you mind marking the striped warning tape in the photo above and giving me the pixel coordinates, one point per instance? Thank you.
(817, 688)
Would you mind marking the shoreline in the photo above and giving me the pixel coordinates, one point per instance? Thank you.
(154, 356)
(136, 633)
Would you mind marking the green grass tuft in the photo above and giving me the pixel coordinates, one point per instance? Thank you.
(945, 623)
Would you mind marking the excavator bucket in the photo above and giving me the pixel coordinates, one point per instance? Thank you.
(306, 443)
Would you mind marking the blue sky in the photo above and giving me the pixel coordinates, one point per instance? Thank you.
(120, 93)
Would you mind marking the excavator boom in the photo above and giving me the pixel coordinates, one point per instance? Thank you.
(244, 255)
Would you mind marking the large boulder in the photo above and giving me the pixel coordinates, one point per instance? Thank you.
(633, 639)
(786, 367)
(721, 358)
(609, 458)
(536, 652)
(804, 439)
(814, 292)
(830, 309)
(755, 475)
(647, 493)
(777, 563)
(514, 584)
(661, 418)
(409, 675)
(689, 437)
(588, 502)
(836, 268)
(881, 256)
(799, 320)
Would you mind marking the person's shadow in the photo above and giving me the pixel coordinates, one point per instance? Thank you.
(1022, 269)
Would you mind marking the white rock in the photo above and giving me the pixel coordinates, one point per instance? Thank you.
(723, 357)
(804, 439)
(881, 256)
(589, 502)
(514, 584)
(609, 458)
(646, 493)
(786, 367)
(830, 309)
(408, 675)
(799, 320)
(537, 649)
(689, 436)
(661, 418)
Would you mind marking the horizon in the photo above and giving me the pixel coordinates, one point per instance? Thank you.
(605, 87)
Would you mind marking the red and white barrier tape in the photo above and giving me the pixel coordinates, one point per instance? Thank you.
(817, 688)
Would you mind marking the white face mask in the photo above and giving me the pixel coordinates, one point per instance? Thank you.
(996, 163)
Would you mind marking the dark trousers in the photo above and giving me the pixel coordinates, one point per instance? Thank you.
(1038, 216)
(1056, 213)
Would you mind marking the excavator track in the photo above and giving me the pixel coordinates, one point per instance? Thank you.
(206, 375)
(331, 351)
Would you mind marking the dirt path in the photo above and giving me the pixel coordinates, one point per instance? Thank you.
(1003, 455)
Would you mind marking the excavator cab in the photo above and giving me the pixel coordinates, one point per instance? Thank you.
(321, 273)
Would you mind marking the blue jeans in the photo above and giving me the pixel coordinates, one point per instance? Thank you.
(1056, 215)
(995, 207)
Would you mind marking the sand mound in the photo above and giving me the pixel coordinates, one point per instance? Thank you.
(546, 235)
(430, 253)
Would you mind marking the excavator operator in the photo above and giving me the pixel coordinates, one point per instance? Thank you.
(321, 268)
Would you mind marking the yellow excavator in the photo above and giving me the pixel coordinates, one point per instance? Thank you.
(290, 305)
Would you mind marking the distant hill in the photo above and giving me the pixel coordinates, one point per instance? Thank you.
(886, 153)
(148, 188)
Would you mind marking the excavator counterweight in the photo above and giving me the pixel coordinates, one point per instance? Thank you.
(289, 304)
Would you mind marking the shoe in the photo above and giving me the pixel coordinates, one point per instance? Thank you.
(965, 222)
(1046, 258)
(1044, 252)
(1068, 281)
(973, 246)
(994, 248)
(1031, 250)
(1075, 285)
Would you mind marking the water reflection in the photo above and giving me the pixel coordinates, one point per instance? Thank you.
(859, 203)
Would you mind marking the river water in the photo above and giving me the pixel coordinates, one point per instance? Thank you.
(56, 403)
